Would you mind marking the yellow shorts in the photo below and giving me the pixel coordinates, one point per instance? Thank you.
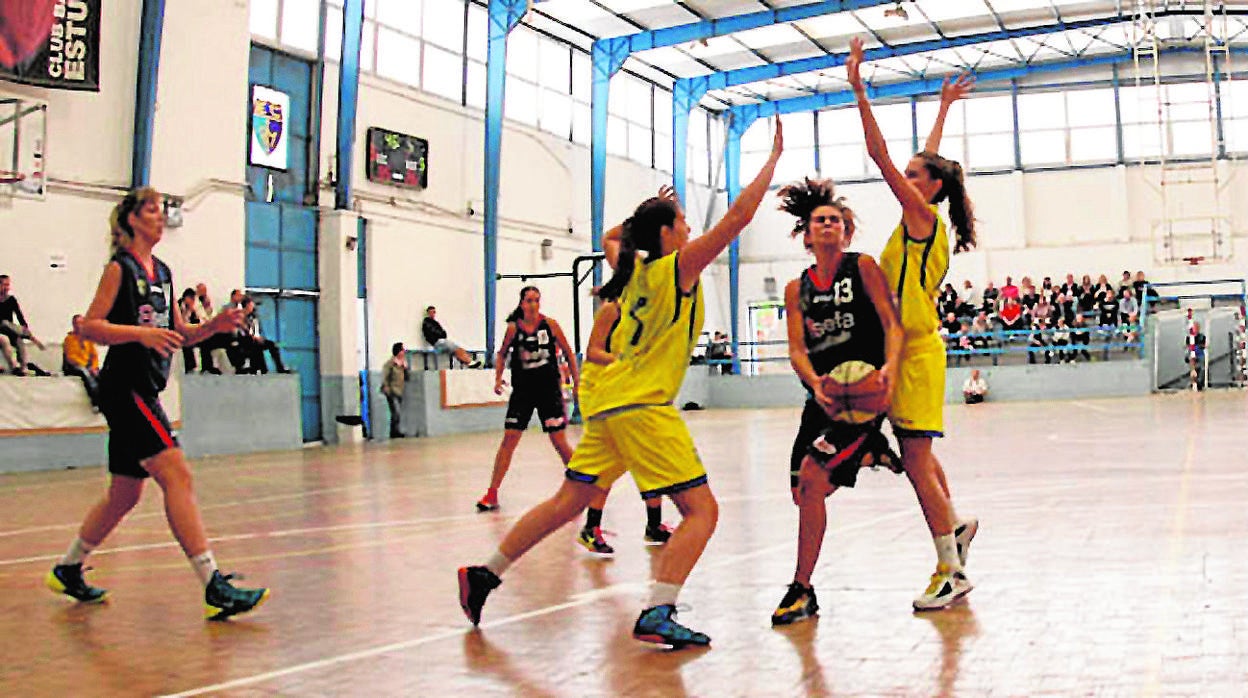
(652, 443)
(918, 407)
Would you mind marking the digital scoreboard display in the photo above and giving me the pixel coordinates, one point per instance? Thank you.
(398, 159)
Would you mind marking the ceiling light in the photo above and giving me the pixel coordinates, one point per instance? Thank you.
(898, 11)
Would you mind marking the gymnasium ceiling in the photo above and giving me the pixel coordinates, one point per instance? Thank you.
(1079, 28)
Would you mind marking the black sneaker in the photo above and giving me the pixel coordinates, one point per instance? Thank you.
(657, 625)
(475, 583)
(67, 580)
(657, 535)
(222, 599)
(799, 603)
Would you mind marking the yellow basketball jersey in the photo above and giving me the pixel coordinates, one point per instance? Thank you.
(915, 269)
(658, 328)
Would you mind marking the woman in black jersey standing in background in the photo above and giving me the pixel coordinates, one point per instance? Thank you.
(133, 312)
(840, 309)
(531, 341)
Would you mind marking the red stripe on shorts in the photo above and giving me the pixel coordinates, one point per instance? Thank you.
(151, 419)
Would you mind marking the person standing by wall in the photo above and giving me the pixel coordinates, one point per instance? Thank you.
(393, 381)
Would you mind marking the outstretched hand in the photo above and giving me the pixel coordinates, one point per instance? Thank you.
(777, 142)
(668, 193)
(853, 64)
(952, 91)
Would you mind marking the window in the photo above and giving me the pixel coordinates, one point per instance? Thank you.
(443, 73)
(474, 90)
(1235, 115)
(403, 15)
(522, 54)
(263, 21)
(445, 27)
(556, 113)
(398, 56)
(521, 103)
(989, 127)
(478, 33)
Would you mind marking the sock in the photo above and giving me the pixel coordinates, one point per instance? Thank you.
(662, 594)
(654, 516)
(947, 551)
(498, 563)
(593, 518)
(204, 565)
(491, 494)
(78, 551)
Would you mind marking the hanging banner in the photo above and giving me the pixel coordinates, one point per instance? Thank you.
(51, 43)
(269, 110)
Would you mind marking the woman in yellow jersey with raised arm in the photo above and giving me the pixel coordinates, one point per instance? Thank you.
(631, 424)
(915, 260)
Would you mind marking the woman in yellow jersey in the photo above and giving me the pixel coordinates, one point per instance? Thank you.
(915, 260)
(631, 424)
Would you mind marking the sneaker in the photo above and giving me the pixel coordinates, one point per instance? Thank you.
(487, 503)
(476, 363)
(591, 539)
(658, 535)
(222, 599)
(946, 587)
(475, 583)
(964, 533)
(657, 625)
(67, 580)
(799, 603)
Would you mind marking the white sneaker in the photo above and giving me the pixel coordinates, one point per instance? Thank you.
(946, 587)
(963, 533)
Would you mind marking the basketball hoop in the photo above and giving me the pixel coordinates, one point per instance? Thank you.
(1194, 261)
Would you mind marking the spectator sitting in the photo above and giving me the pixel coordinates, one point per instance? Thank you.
(989, 303)
(975, 389)
(1109, 310)
(226, 341)
(1086, 296)
(1061, 339)
(948, 301)
(1011, 316)
(1039, 341)
(1043, 310)
(1128, 315)
(1125, 283)
(720, 349)
(1144, 291)
(80, 358)
(393, 379)
(1080, 337)
(1027, 296)
(980, 328)
(1102, 287)
(435, 335)
(253, 344)
(14, 331)
(951, 325)
(1047, 292)
(1009, 290)
(1065, 308)
(1069, 287)
(191, 318)
(971, 300)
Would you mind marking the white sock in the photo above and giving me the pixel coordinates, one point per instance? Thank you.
(498, 563)
(204, 565)
(947, 551)
(78, 551)
(662, 594)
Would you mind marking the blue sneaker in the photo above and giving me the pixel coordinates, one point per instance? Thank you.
(656, 625)
(67, 580)
(222, 599)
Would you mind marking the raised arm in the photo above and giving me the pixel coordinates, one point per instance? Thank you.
(611, 241)
(701, 252)
(950, 92)
(915, 212)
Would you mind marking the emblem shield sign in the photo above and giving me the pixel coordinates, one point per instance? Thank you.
(270, 110)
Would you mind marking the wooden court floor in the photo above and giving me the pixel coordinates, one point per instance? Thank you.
(1110, 561)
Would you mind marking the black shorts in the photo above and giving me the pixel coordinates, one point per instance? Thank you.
(546, 398)
(843, 449)
(137, 430)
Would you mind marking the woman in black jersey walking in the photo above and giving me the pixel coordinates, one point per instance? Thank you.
(133, 312)
(840, 309)
(531, 342)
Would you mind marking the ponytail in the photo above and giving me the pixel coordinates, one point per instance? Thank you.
(519, 310)
(641, 232)
(953, 188)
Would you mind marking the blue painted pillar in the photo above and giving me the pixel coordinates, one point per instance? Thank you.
(348, 98)
(607, 57)
(732, 181)
(686, 94)
(504, 15)
(153, 24)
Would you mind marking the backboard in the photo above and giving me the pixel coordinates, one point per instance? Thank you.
(23, 138)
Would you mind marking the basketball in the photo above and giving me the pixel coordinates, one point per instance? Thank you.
(856, 389)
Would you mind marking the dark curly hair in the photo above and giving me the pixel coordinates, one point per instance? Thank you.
(801, 200)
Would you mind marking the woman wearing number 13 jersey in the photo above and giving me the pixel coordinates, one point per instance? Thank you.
(631, 424)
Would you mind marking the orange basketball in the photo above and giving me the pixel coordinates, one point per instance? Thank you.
(857, 391)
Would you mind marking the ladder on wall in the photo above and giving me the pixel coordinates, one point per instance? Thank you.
(1194, 223)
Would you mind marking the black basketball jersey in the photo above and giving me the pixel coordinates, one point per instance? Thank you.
(147, 302)
(533, 354)
(841, 322)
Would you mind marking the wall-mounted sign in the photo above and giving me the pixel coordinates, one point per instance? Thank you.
(270, 114)
(51, 43)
